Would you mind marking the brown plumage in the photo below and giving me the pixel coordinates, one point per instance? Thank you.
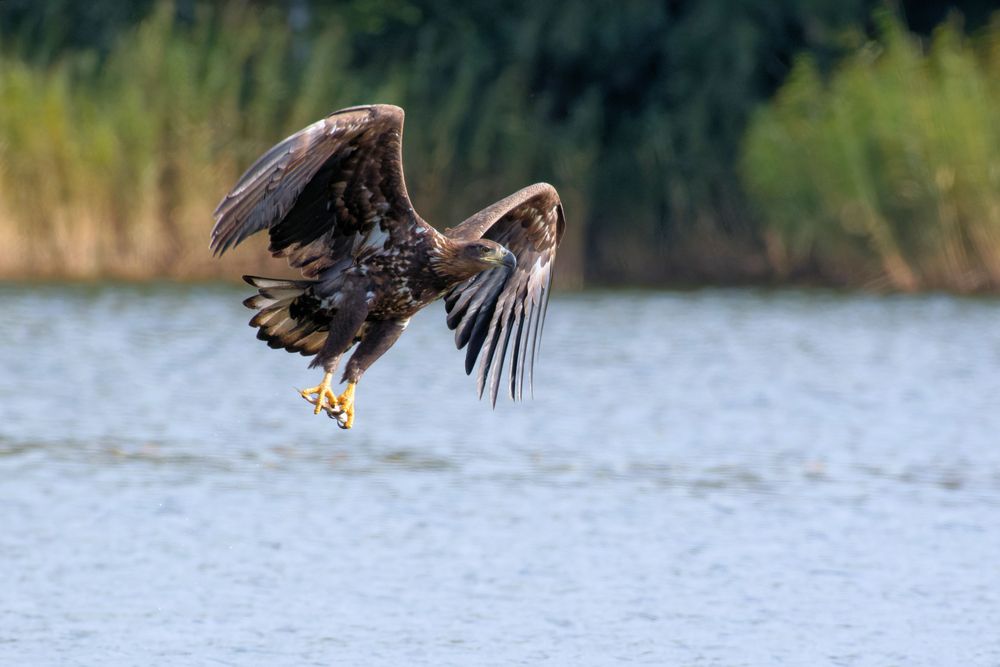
(334, 202)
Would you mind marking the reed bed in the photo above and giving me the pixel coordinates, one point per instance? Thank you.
(111, 167)
(887, 173)
(884, 172)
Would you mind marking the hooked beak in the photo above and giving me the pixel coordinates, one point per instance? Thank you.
(510, 260)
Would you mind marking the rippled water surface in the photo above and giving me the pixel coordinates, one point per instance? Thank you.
(704, 478)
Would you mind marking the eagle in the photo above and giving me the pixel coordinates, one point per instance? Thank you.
(334, 203)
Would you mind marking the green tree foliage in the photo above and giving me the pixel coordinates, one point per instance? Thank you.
(890, 171)
(44, 29)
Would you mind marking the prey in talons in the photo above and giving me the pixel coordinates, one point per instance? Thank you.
(336, 407)
(325, 399)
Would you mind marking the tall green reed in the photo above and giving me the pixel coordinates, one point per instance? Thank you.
(888, 173)
(111, 167)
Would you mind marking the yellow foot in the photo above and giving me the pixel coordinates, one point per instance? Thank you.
(344, 413)
(325, 398)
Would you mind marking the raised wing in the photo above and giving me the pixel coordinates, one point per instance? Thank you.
(326, 194)
(486, 309)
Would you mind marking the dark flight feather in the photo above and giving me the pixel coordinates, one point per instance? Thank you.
(325, 194)
(530, 223)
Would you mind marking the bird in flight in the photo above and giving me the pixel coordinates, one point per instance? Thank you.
(334, 203)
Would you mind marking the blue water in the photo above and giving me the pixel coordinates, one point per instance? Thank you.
(703, 478)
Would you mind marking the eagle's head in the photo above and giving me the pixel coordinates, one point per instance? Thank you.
(464, 260)
(485, 254)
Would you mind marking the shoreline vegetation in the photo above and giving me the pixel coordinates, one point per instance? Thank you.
(879, 168)
(890, 168)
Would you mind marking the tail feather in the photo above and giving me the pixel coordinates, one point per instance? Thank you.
(290, 316)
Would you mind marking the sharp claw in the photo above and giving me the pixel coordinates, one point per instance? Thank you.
(324, 398)
(345, 405)
(336, 407)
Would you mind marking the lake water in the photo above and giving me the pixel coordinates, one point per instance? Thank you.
(703, 478)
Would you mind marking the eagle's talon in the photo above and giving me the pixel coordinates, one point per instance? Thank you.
(325, 399)
(345, 406)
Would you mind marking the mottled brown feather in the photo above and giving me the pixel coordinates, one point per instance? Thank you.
(326, 193)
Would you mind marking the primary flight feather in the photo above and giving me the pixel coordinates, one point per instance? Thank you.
(334, 202)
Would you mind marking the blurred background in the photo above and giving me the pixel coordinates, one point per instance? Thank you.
(844, 142)
(784, 454)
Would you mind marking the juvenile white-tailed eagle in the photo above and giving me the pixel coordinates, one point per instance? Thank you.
(333, 200)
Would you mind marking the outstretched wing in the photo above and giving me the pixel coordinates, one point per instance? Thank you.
(326, 194)
(486, 309)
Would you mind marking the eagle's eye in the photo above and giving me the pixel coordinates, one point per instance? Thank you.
(484, 250)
